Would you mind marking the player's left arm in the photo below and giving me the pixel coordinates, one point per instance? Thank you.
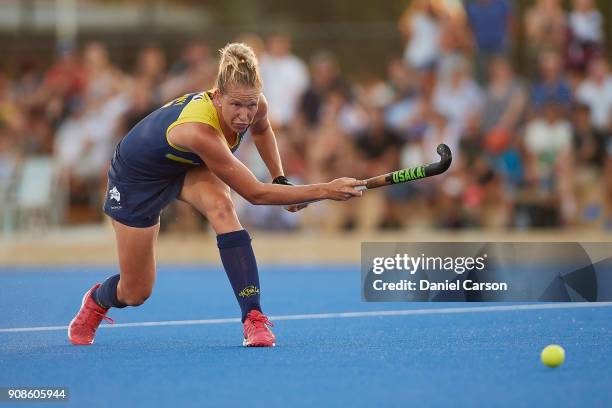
(265, 140)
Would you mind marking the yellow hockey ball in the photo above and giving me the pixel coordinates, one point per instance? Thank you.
(553, 355)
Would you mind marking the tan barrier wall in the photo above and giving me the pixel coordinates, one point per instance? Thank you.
(97, 245)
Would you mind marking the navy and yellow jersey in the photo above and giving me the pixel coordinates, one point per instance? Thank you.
(145, 153)
(147, 171)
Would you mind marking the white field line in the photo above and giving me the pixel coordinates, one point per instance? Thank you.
(342, 315)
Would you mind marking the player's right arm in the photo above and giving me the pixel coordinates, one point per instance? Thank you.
(206, 142)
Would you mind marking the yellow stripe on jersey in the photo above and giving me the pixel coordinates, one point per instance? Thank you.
(180, 159)
(199, 109)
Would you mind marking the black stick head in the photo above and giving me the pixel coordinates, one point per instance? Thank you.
(446, 157)
(444, 151)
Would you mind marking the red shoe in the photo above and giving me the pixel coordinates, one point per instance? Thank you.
(257, 332)
(82, 328)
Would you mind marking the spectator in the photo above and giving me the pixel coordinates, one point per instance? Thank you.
(330, 154)
(142, 101)
(86, 138)
(66, 77)
(329, 151)
(325, 76)
(83, 146)
(596, 92)
(376, 152)
(36, 135)
(590, 153)
(12, 118)
(589, 144)
(28, 82)
(545, 25)
(440, 129)
(194, 70)
(486, 201)
(65, 80)
(456, 39)
(285, 78)
(12, 123)
(492, 22)
(194, 54)
(548, 142)
(420, 27)
(402, 80)
(410, 89)
(103, 80)
(151, 70)
(585, 34)
(145, 90)
(471, 143)
(505, 98)
(552, 85)
(547, 138)
(457, 95)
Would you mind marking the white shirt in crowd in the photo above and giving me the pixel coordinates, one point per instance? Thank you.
(458, 102)
(423, 47)
(586, 26)
(546, 140)
(84, 144)
(285, 80)
(599, 99)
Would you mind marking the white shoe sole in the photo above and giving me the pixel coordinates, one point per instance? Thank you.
(245, 344)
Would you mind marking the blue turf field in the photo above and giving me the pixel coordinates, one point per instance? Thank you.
(484, 358)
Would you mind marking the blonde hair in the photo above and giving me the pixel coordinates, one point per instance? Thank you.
(238, 66)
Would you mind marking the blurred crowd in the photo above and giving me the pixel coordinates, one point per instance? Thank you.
(529, 150)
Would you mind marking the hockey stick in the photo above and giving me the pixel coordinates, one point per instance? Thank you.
(412, 173)
(406, 175)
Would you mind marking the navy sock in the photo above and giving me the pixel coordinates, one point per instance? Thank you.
(241, 268)
(106, 295)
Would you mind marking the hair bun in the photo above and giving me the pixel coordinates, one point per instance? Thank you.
(238, 65)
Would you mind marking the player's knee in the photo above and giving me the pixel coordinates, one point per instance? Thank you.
(136, 296)
(222, 208)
